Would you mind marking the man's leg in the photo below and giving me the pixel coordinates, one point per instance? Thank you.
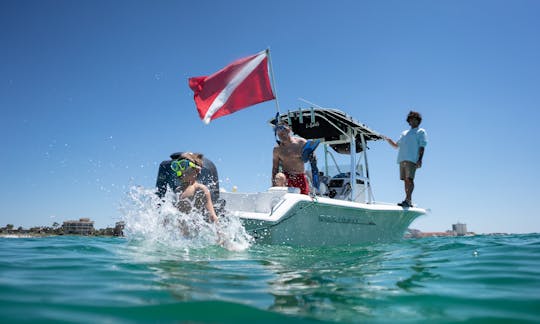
(409, 188)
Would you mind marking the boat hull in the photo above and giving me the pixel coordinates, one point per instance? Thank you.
(300, 220)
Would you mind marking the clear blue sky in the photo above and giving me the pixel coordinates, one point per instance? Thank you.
(94, 95)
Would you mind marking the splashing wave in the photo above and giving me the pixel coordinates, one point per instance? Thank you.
(156, 220)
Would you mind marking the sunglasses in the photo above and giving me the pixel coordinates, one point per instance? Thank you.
(180, 166)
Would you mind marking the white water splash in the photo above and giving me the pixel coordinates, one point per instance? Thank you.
(155, 220)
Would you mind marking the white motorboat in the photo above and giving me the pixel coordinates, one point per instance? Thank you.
(340, 214)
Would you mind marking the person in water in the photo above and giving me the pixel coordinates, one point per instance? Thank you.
(287, 154)
(192, 194)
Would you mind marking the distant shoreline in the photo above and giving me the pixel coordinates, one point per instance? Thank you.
(32, 235)
(10, 231)
(56, 230)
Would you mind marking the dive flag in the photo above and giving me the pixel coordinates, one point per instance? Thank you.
(241, 84)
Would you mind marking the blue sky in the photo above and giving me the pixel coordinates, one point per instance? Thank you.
(94, 95)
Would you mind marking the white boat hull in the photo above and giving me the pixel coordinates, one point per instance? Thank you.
(300, 220)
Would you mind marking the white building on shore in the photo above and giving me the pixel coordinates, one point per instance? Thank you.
(460, 229)
(84, 226)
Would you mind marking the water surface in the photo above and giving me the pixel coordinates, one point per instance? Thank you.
(118, 280)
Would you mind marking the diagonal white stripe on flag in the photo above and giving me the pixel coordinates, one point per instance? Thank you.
(224, 95)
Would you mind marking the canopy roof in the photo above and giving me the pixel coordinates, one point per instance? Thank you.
(330, 126)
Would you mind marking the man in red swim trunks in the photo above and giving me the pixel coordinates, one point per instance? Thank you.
(288, 155)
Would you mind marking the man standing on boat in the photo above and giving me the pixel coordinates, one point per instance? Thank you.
(288, 155)
(411, 147)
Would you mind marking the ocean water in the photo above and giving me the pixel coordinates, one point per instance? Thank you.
(174, 267)
(123, 280)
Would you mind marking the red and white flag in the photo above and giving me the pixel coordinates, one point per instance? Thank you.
(241, 84)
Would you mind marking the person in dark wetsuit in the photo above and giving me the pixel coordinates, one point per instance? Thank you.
(192, 194)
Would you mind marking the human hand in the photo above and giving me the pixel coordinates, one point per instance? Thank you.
(419, 164)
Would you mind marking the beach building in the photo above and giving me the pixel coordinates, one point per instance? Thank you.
(84, 226)
(460, 229)
(119, 228)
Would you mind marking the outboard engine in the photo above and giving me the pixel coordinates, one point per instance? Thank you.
(208, 176)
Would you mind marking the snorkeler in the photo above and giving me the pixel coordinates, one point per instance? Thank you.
(192, 194)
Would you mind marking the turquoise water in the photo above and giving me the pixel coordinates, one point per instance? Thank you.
(116, 280)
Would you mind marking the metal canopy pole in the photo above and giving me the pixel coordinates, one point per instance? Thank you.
(353, 166)
(364, 149)
(326, 160)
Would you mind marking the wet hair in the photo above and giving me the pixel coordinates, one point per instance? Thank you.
(196, 158)
(415, 115)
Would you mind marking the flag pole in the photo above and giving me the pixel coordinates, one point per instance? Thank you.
(273, 80)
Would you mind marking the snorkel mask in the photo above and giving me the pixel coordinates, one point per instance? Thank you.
(180, 166)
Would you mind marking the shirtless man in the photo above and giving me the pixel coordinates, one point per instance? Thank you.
(288, 155)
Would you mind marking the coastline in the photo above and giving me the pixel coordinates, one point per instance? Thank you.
(34, 235)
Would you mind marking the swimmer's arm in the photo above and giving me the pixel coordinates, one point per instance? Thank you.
(209, 205)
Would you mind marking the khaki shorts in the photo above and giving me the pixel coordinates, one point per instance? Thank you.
(407, 169)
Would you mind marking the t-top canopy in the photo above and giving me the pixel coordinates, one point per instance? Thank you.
(331, 126)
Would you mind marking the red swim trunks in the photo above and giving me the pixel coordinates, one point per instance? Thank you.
(298, 181)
